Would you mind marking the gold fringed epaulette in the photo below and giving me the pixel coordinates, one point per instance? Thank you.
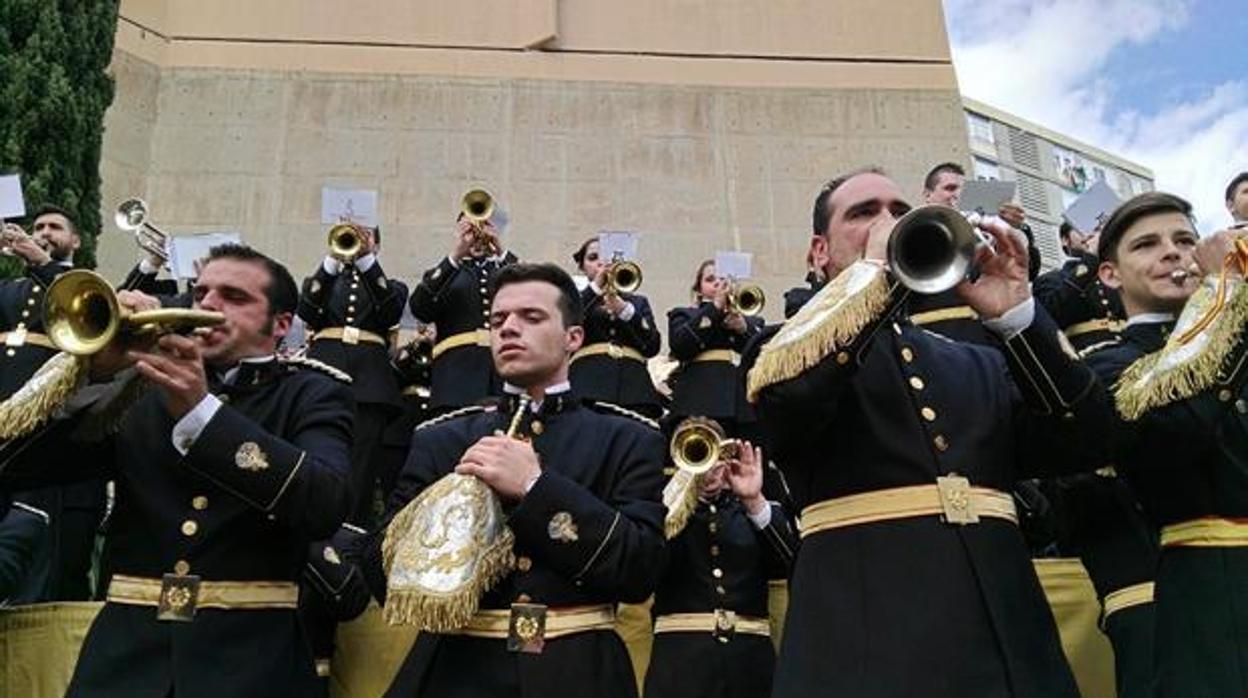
(1190, 361)
(40, 397)
(680, 496)
(442, 552)
(299, 361)
(624, 411)
(471, 409)
(832, 319)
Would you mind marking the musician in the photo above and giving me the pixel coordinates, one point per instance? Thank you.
(1184, 457)
(349, 307)
(452, 296)
(227, 467)
(890, 436)
(707, 338)
(797, 296)
(332, 591)
(711, 628)
(412, 364)
(620, 335)
(1237, 198)
(582, 493)
(75, 510)
(144, 277)
(1088, 312)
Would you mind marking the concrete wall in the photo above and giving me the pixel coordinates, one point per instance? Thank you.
(724, 151)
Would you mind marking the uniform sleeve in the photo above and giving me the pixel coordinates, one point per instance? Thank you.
(427, 295)
(332, 574)
(612, 546)
(1062, 291)
(388, 295)
(780, 541)
(314, 298)
(299, 478)
(638, 331)
(22, 531)
(689, 330)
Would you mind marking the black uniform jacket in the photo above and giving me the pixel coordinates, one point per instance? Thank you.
(1073, 294)
(1189, 460)
(149, 283)
(603, 470)
(622, 381)
(266, 476)
(21, 307)
(366, 300)
(455, 297)
(917, 606)
(721, 560)
(707, 388)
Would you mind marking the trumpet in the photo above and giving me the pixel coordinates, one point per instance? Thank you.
(622, 276)
(10, 237)
(478, 207)
(747, 300)
(82, 316)
(132, 216)
(345, 242)
(699, 443)
(932, 247)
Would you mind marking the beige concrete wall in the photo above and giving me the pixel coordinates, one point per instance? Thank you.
(695, 153)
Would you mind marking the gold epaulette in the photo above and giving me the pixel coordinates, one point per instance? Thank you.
(321, 366)
(624, 411)
(471, 409)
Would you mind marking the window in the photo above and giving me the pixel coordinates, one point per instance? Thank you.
(987, 169)
(979, 128)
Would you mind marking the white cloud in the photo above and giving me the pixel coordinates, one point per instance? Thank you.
(1045, 60)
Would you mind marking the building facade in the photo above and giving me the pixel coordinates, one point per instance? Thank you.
(1051, 169)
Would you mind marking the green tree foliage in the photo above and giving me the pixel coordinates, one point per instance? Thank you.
(54, 90)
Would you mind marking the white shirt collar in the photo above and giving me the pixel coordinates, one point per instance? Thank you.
(1149, 318)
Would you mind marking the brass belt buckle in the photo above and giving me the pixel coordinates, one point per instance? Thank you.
(15, 338)
(526, 629)
(614, 351)
(179, 596)
(955, 499)
(351, 335)
(725, 624)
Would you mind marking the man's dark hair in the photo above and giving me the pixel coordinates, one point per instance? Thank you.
(569, 298)
(933, 175)
(377, 234)
(1132, 210)
(1235, 182)
(822, 213)
(281, 291)
(45, 209)
(1063, 231)
(579, 255)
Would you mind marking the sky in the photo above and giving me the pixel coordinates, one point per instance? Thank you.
(1160, 82)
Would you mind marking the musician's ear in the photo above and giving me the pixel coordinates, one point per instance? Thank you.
(1107, 272)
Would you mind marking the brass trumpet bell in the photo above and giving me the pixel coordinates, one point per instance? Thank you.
(932, 248)
(132, 216)
(345, 242)
(699, 443)
(623, 277)
(747, 300)
(81, 315)
(478, 206)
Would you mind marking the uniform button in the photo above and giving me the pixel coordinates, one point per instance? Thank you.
(842, 358)
(712, 508)
(36, 288)
(524, 563)
(25, 313)
(720, 590)
(355, 285)
(714, 550)
(941, 443)
(928, 413)
(712, 527)
(916, 382)
(199, 503)
(30, 301)
(189, 528)
(351, 297)
(1241, 406)
(537, 427)
(523, 598)
(350, 308)
(907, 354)
(10, 352)
(896, 328)
(1224, 395)
(717, 573)
(485, 313)
(182, 567)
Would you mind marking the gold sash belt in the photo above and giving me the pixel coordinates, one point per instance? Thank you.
(1126, 597)
(957, 503)
(17, 338)
(480, 338)
(711, 622)
(957, 312)
(231, 596)
(495, 623)
(727, 355)
(1208, 532)
(615, 351)
(1098, 325)
(350, 335)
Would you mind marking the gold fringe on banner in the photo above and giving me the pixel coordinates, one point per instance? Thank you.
(680, 496)
(1192, 358)
(46, 391)
(442, 552)
(833, 318)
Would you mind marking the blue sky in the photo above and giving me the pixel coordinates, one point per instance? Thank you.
(1162, 82)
